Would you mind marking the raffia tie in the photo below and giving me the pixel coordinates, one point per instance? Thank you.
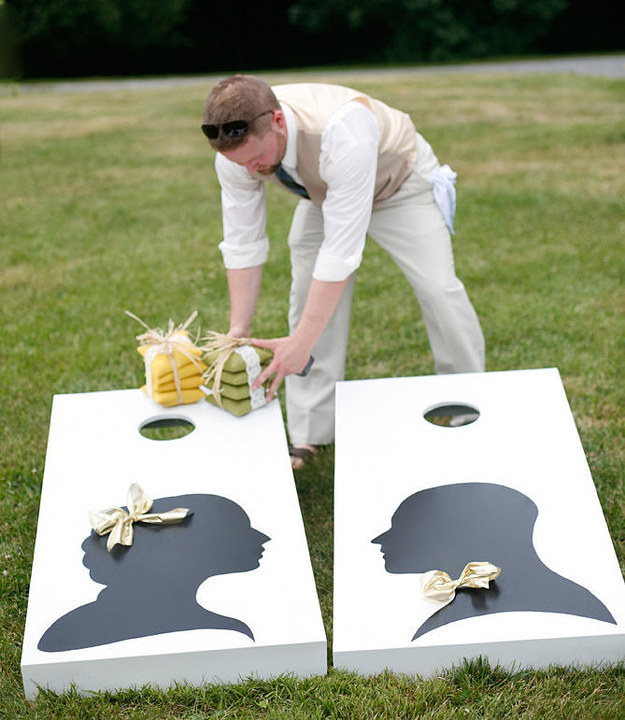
(166, 342)
(118, 523)
(438, 587)
(224, 345)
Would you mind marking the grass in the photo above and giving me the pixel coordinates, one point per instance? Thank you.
(109, 202)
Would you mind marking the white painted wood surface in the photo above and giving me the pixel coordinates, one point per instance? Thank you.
(94, 452)
(526, 439)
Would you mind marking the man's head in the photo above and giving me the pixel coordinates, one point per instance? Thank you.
(238, 108)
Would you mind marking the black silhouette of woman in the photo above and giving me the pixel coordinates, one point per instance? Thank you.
(446, 527)
(152, 585)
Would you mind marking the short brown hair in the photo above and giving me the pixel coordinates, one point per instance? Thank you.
(239, 97)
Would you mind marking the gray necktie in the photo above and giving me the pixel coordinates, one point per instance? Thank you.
(291, 184)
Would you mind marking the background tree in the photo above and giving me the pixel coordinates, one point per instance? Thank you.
(72, 38)
(78, 37)
(414, 30)
(10, 66)
(587, 26)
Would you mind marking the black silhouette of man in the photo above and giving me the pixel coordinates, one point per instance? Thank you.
(446, 527)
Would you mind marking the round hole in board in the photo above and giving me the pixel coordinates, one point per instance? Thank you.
(166, 428)
(452, 414)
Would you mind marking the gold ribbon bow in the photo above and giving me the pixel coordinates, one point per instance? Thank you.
(118, 523)
(438, 587)
(224, 345)
(166, 342)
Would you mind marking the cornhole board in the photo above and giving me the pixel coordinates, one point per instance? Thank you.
(254, 611)
(512, 488)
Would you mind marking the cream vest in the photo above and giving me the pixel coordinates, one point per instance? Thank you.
(314, 103)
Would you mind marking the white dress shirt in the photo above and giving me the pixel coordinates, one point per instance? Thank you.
(347, 164)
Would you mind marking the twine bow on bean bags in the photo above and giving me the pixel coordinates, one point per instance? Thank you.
(173, 365)
(234, 365)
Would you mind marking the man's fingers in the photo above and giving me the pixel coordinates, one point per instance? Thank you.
(265, 375)
(270, 370)
(269, 344)
(273, 389)
(286, 359)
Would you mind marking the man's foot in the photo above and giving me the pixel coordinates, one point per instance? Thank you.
(300, 454)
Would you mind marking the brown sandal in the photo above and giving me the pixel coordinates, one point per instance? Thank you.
(300, 455)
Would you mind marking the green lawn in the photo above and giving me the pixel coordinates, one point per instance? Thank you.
(109, 203)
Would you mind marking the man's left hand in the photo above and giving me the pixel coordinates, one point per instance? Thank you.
(289, 357)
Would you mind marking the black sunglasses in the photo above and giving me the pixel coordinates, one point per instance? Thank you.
(233, 129)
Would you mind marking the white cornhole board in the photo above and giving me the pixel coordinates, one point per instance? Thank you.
(264, 597)
(455, 492)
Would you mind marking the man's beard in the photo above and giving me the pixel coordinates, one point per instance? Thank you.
(271, 169)
(268, 170)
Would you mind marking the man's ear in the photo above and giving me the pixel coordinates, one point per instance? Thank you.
(278, 120)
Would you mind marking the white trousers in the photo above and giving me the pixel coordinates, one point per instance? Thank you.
(410, 227)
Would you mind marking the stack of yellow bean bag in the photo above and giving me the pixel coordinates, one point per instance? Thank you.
(182, 355)
(234, 387)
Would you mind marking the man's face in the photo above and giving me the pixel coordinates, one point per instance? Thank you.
(262, 154)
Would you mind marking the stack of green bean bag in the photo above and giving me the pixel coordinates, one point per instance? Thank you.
(240, 370)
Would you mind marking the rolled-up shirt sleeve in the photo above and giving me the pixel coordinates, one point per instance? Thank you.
(244, 214)
(348, 165)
